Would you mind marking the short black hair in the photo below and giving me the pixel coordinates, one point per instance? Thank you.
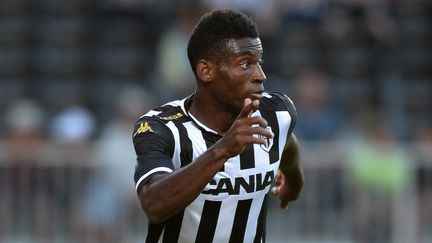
(210, 35)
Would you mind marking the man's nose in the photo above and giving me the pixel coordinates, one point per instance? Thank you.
(260, 75)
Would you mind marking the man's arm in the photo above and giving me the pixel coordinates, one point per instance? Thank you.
(165, 195)
(289, 179)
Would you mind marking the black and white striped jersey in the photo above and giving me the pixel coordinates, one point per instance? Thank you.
(232, 207)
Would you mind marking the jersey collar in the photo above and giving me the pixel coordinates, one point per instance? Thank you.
(185, 107)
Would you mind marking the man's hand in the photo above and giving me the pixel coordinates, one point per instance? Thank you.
(282, 190)
(243, 129)
(289, 179)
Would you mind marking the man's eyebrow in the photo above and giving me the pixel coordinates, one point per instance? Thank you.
(250, 53)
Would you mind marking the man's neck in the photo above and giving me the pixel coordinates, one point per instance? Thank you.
(206, 111)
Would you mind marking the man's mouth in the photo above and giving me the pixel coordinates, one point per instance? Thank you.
(257, 95)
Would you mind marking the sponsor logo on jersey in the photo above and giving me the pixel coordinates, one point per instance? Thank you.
(253, 183)
(144, 127)
(173, 117)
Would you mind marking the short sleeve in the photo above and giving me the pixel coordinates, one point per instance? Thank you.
(154, 146)
(289, 106)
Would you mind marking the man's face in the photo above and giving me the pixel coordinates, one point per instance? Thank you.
(239, 75)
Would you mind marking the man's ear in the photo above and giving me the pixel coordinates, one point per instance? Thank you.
(205, 70)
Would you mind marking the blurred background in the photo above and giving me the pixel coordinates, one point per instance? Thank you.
(76, 74)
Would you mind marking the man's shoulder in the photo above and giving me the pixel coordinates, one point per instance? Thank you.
(277, 101)
(155, 120)
(170, 111)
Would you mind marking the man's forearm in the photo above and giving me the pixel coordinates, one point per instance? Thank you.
(290, 166)
(163, 196)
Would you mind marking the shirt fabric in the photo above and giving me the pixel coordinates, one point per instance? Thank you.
(232, 207)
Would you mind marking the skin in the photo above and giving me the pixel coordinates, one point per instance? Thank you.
(227, 94)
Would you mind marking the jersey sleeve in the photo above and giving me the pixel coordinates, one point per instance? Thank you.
(289, 106)
(154, 146)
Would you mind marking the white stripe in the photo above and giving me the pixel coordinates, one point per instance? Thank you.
(176, 155)
(175, 103)
(284, 120)
(262, 158)
(158, 169)
(253, 218)
(198, 145)
(151, 113)
(191, 220)
(193, 213)
(225, 220)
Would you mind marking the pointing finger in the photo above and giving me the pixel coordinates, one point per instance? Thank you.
(248, 108)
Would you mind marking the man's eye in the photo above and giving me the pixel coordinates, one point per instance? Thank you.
(244, 65)
(260, 62)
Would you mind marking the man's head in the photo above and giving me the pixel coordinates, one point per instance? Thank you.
(226, 56)
(211, 37)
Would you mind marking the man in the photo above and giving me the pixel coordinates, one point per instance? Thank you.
(206, 163)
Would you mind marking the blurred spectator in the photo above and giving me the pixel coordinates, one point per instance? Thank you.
(265, 13)
(317, 121)
(74, 125)
(24, 139)
(302, 13)
(422, 142)
(176, 76)
(317, 118)
(24, 132)
(110, 197)
(379, 171)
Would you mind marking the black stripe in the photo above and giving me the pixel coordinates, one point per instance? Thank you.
(172, 228)
(210, 139)
(247, 157)
(289, 105)
(165, 108)
(185, 145)
(154, 232)
(273, 123)
(261, 225)
(209, 218)
(240, 221)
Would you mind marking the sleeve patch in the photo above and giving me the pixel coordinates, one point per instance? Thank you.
(143, 128)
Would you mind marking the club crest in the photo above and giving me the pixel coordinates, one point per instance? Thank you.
(269, 141)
